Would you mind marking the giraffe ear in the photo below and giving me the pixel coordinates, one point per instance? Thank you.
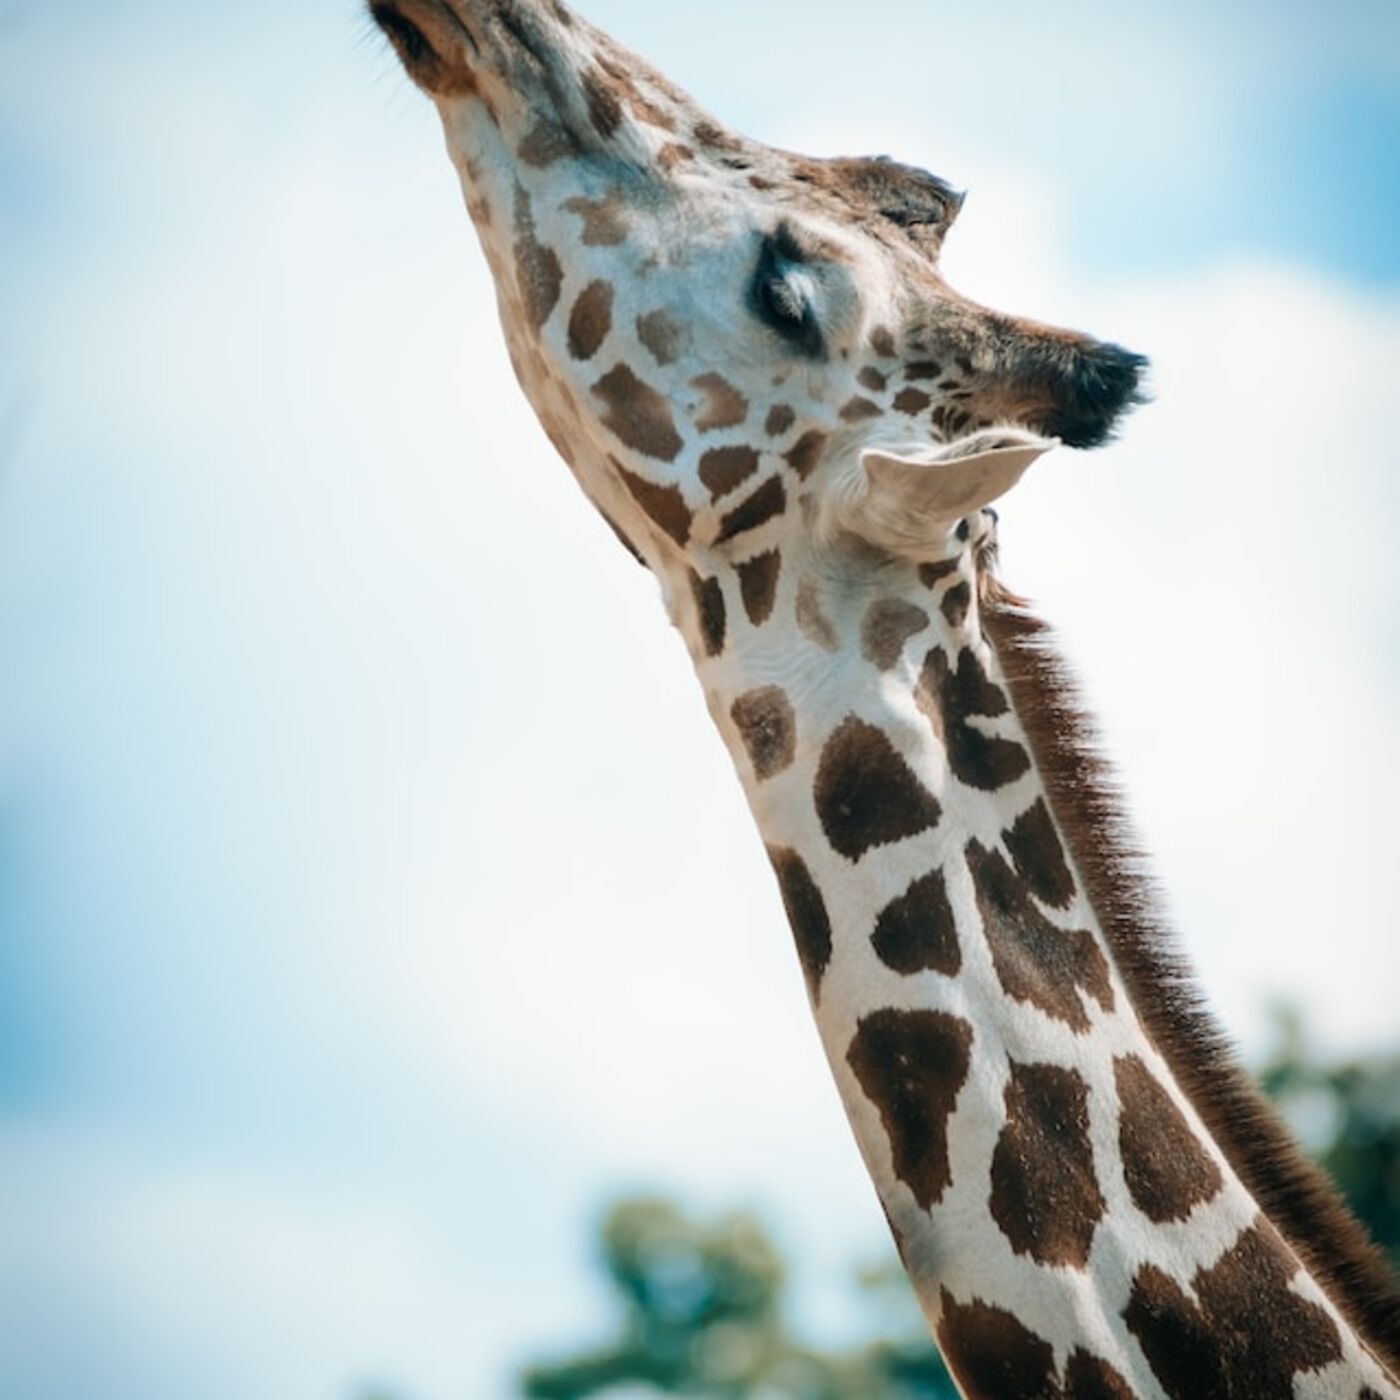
(907, 500)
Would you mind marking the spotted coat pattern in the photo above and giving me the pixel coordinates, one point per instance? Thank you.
(711, 332)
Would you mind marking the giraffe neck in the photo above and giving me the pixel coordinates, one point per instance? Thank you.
(1069, 1223)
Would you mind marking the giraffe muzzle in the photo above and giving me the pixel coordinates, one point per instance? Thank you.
(1102, 383)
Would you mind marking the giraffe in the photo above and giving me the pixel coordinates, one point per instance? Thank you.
(756, 373)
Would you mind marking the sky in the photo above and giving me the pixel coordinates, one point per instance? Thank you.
(348, 770)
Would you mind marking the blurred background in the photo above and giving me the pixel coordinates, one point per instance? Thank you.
(349, 772)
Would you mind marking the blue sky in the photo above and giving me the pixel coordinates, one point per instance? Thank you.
(325, 1017)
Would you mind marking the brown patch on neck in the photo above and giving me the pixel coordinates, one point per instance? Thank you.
(912, 1065)
(950, 699)
(932, 574)
(538, 272)
(758, 585)
(1293, 1192)
(917, 933)
(1245, 1334)
(1040, 857)
(1036, 962)
(866, 794)
(995, 1356)
(1045, 1196)
(708, 594)
(1168, 1172)
(807, 916)
(768, 726)
(888, 626)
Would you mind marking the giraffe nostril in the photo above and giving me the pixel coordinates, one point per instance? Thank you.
(1102, 384)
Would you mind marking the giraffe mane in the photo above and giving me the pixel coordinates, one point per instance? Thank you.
(1088, 803)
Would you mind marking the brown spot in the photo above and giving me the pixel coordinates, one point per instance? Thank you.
(857, 409)
(780, 419)
(640, 104)
(923, 369)
(806, 452)
(709, 133)
(661, 334)
(931, 575)
(951, 700)
(537, 270)
(768, 501)
(637, 415)
(912, 1065)
(546, 142)
(673, 154)
(604, 110)
(994, 1356)
(806, 912)
(888, 625)
(725, 406)
(1092, 1378)
(911, 401)
(591, 320)
(604, 220)
(768, 727)
(1167, 1170)
(871, 378)
(758, 585)
(1040, 857)
(709, 605)
(724, 468)
(882, 342)
(1045, 1195)
(1247, 1334)
(812, 622)
(664, 505)
(866, 794)
(1036, 962)
(916, 933)
(645, 109)
(956, 604)
(759, 183)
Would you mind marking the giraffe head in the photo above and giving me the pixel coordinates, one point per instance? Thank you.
(735, 348)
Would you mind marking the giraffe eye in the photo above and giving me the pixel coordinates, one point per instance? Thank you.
(782, 295)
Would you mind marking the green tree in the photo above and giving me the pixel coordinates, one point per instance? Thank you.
(702, 1315)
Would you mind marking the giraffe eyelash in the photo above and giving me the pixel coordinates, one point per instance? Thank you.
(782, 295)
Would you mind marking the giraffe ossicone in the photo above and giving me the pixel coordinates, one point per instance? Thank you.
(756, 371)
